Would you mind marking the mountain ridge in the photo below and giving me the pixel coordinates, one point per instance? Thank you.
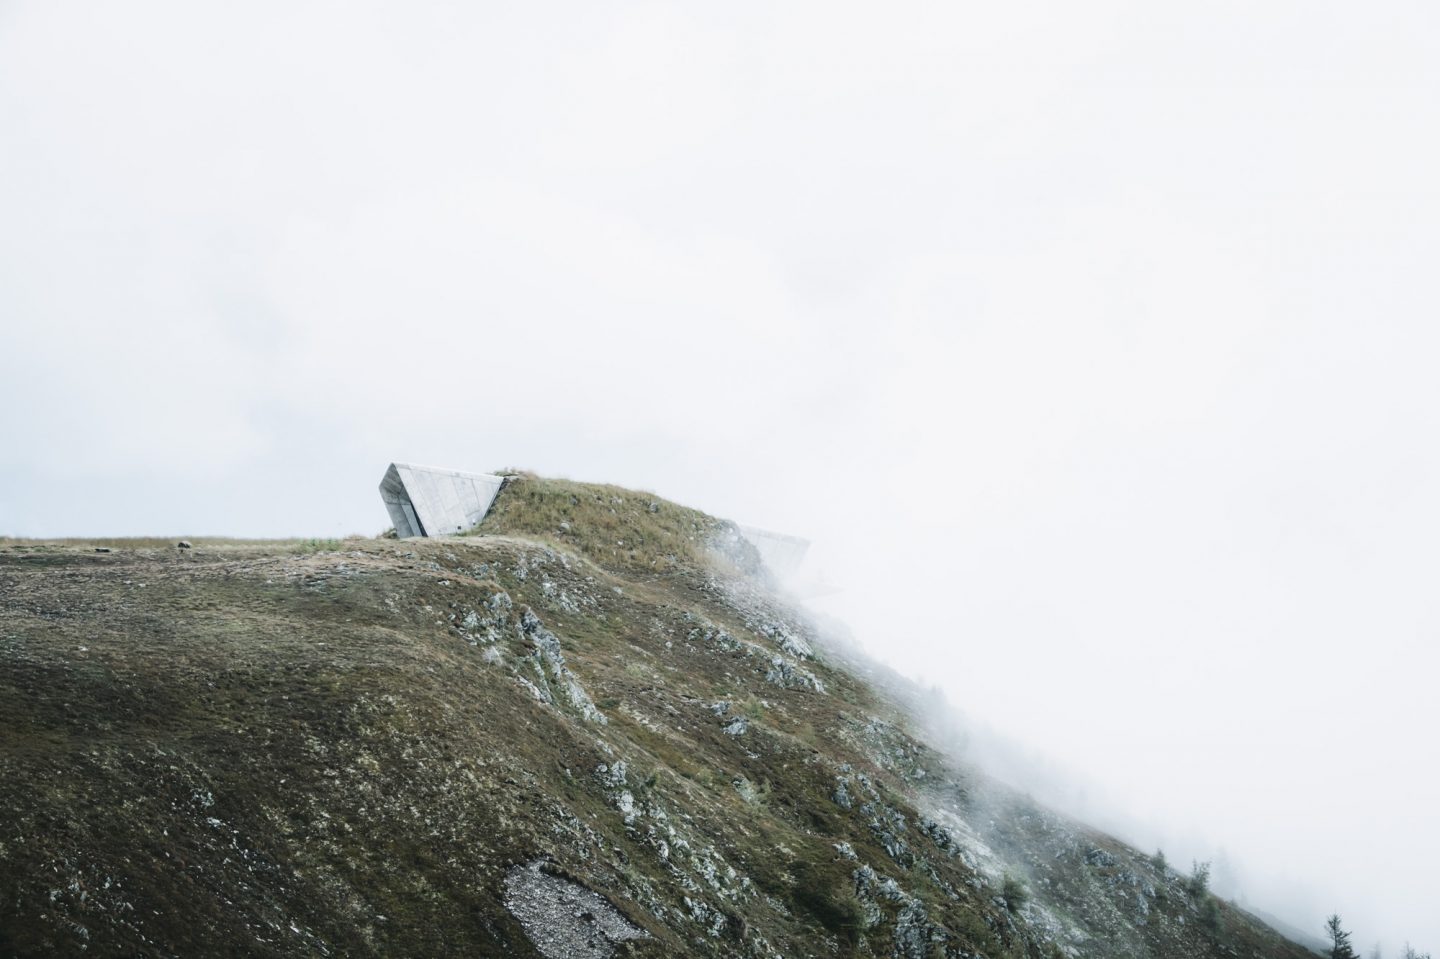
(593, 727)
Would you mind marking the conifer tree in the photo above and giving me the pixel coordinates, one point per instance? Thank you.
(1340, 947)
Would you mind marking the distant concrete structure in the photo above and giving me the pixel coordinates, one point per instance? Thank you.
(424, 501)
(782, 554)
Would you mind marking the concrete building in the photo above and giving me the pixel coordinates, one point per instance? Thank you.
(424, 501)
(781, 553)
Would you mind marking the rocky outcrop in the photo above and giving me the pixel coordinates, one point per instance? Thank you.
(564, 919)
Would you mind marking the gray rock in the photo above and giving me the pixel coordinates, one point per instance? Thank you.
(787, 675)
(564, 919)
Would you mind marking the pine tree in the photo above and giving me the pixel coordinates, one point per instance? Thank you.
(1340, 940)
(1199, 881)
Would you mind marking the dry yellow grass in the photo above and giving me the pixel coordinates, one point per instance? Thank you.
(616, 528)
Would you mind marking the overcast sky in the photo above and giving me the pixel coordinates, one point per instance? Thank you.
(1095, 344)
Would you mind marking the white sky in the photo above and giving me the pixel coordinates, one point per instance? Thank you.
(1094, 344)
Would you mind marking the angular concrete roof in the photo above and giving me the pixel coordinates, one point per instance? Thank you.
(783, 554)
(425, 501)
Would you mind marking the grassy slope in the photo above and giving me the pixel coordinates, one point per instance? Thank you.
(296, 750)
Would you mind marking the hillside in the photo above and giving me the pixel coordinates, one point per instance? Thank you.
(590, 729)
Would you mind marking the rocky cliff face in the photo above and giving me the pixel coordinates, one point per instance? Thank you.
(591, 730)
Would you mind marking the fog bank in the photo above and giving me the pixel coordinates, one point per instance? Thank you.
(1092, 345)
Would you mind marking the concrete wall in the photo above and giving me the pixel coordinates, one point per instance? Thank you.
(782, 554)
(424, 501)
